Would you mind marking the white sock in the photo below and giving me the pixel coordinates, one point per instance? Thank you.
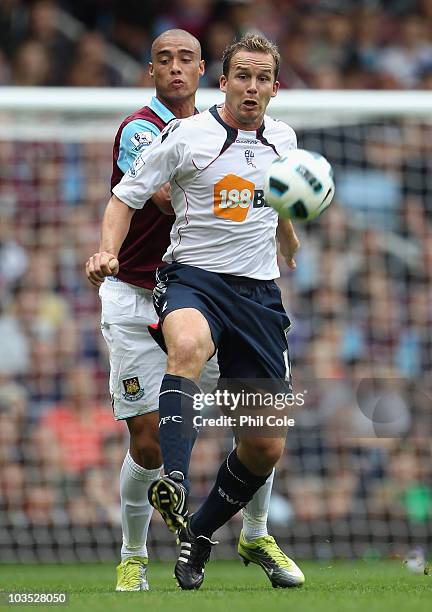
(136, 510)
(256, 512)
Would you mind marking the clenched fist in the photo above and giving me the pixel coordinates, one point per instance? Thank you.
(100, 265)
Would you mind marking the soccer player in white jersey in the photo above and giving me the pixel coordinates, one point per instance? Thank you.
(134, 383)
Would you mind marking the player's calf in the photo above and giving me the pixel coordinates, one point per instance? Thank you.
(144, 440)
(176, 428)
(234, 487)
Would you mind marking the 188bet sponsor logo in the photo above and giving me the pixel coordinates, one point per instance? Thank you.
(234, 196)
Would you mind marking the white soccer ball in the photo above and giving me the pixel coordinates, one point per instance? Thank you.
(299, 185)
(415, 561)
(415, 566)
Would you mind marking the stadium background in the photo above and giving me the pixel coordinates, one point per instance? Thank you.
(356, 479)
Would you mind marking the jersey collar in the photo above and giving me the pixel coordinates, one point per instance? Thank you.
(214, 111)
(232, 133)
(162, 111)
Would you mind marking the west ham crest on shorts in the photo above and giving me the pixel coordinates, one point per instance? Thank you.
(132, 387)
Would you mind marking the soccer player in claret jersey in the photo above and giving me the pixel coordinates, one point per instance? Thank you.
(131, 249)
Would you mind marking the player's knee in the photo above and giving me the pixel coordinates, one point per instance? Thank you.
(187, 350)
(264, 453)
(269, 451)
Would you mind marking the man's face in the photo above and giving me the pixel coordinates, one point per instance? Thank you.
(176, 67)
(249, 85)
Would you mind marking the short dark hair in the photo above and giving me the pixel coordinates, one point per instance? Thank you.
(176, 32)
(251, 42)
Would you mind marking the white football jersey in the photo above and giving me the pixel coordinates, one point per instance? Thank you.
(216, 173)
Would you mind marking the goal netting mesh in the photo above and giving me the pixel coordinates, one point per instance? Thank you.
(356, 478)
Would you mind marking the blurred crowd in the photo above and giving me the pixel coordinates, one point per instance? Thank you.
(325, 44)
(360, 303)
(357, 471)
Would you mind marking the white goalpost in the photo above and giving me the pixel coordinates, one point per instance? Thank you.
(100, 100)
(84, 108)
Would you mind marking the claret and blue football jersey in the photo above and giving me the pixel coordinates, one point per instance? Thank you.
(148, 236)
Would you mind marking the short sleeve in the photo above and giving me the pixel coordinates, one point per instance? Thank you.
(135, 137)
(168, 156)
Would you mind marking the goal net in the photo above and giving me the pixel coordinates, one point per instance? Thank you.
(356, 477)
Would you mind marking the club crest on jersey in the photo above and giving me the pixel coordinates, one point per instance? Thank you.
(138, 163)
(141, 139)
(249, 156)
(132, 387)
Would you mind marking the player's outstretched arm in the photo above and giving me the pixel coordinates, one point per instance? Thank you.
(115, 226)
(288, 241)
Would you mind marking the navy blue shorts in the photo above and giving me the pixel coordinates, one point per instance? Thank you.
(247, 320)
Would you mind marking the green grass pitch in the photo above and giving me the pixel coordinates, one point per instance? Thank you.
(365, 586)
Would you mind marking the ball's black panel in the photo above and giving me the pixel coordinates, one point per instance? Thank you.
(277, 186)
(299, 210)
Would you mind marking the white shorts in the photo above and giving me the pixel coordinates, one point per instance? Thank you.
(137, 363)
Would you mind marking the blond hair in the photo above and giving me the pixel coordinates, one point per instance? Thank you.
(255, 43)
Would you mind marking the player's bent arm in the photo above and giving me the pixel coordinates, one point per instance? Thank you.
(156, 165)
(288, 241)
(130, 148)
(115, 226)
(162, 199)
